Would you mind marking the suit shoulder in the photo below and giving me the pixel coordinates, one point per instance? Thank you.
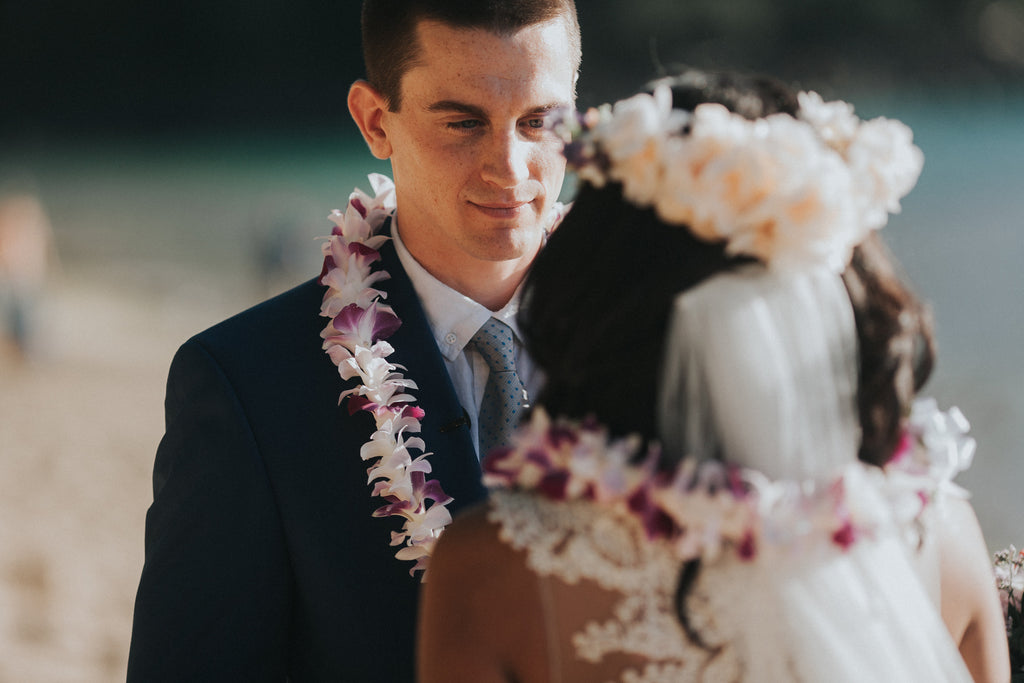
(278, 333)
(297, 306)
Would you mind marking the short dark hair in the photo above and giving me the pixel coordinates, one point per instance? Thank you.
(389, 31)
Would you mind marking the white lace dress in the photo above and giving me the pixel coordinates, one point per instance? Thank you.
(810, 614)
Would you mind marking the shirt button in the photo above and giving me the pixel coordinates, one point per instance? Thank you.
(450, 338)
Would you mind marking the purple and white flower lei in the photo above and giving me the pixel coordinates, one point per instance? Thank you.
(360, 322)
(355, 341)
(703, 508)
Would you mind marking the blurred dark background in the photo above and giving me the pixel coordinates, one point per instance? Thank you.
(145, 68)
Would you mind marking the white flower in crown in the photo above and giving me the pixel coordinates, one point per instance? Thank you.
(695, 168)
(631, 138)
(807, 213)
(789, 191)
(880, 152)
(767, 188)
(886, 165)
(835, 122)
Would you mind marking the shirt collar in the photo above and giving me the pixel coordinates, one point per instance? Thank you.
(454, 318)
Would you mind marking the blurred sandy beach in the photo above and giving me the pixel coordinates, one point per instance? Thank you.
(153, 245)
(80, 424)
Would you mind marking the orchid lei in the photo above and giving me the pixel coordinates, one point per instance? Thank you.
(702, 508)
(355, 341)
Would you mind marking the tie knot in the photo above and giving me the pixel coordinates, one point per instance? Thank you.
(494, 342)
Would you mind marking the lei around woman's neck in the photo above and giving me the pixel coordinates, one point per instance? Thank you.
(704, 508)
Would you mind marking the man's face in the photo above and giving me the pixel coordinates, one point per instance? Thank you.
(475, 169)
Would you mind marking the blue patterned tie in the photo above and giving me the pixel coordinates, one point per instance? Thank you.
(504, 395)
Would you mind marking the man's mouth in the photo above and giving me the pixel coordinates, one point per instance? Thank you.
(501, 209)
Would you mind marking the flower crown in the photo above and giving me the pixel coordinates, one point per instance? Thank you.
(788, 191)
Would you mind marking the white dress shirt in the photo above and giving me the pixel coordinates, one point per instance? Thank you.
(454, 318)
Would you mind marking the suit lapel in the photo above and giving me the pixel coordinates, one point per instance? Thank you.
(444, 428)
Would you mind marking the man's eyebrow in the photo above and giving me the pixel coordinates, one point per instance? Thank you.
(548, 108)
(456, 107)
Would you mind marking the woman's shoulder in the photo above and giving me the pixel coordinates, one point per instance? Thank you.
(473, 577)
(464, 538)
(471, 549)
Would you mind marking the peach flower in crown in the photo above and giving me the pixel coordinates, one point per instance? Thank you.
(789, 191)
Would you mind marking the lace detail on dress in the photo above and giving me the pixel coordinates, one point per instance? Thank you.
(800, 581)
(579, 540)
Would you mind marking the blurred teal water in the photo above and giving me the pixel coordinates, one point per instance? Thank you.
(961, 240)
(233, 218)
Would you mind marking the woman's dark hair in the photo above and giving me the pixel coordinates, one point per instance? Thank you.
(896, 346)
(598, 299)
(596, 307)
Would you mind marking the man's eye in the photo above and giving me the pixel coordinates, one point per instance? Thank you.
(468, 124)
(535, 123)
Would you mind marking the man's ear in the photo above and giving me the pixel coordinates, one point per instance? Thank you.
(367, 107)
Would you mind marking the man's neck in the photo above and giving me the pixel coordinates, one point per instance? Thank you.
(490, 283)
(493, 285)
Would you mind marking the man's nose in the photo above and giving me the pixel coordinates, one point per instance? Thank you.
(505, 163)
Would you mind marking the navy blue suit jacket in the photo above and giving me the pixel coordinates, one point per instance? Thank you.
(263, 562)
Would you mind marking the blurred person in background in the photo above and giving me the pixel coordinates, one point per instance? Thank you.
(270, 553)
(26, 244)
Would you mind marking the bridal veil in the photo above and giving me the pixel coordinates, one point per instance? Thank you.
(760, 370)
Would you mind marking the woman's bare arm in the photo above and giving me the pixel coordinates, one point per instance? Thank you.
(970, 602)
